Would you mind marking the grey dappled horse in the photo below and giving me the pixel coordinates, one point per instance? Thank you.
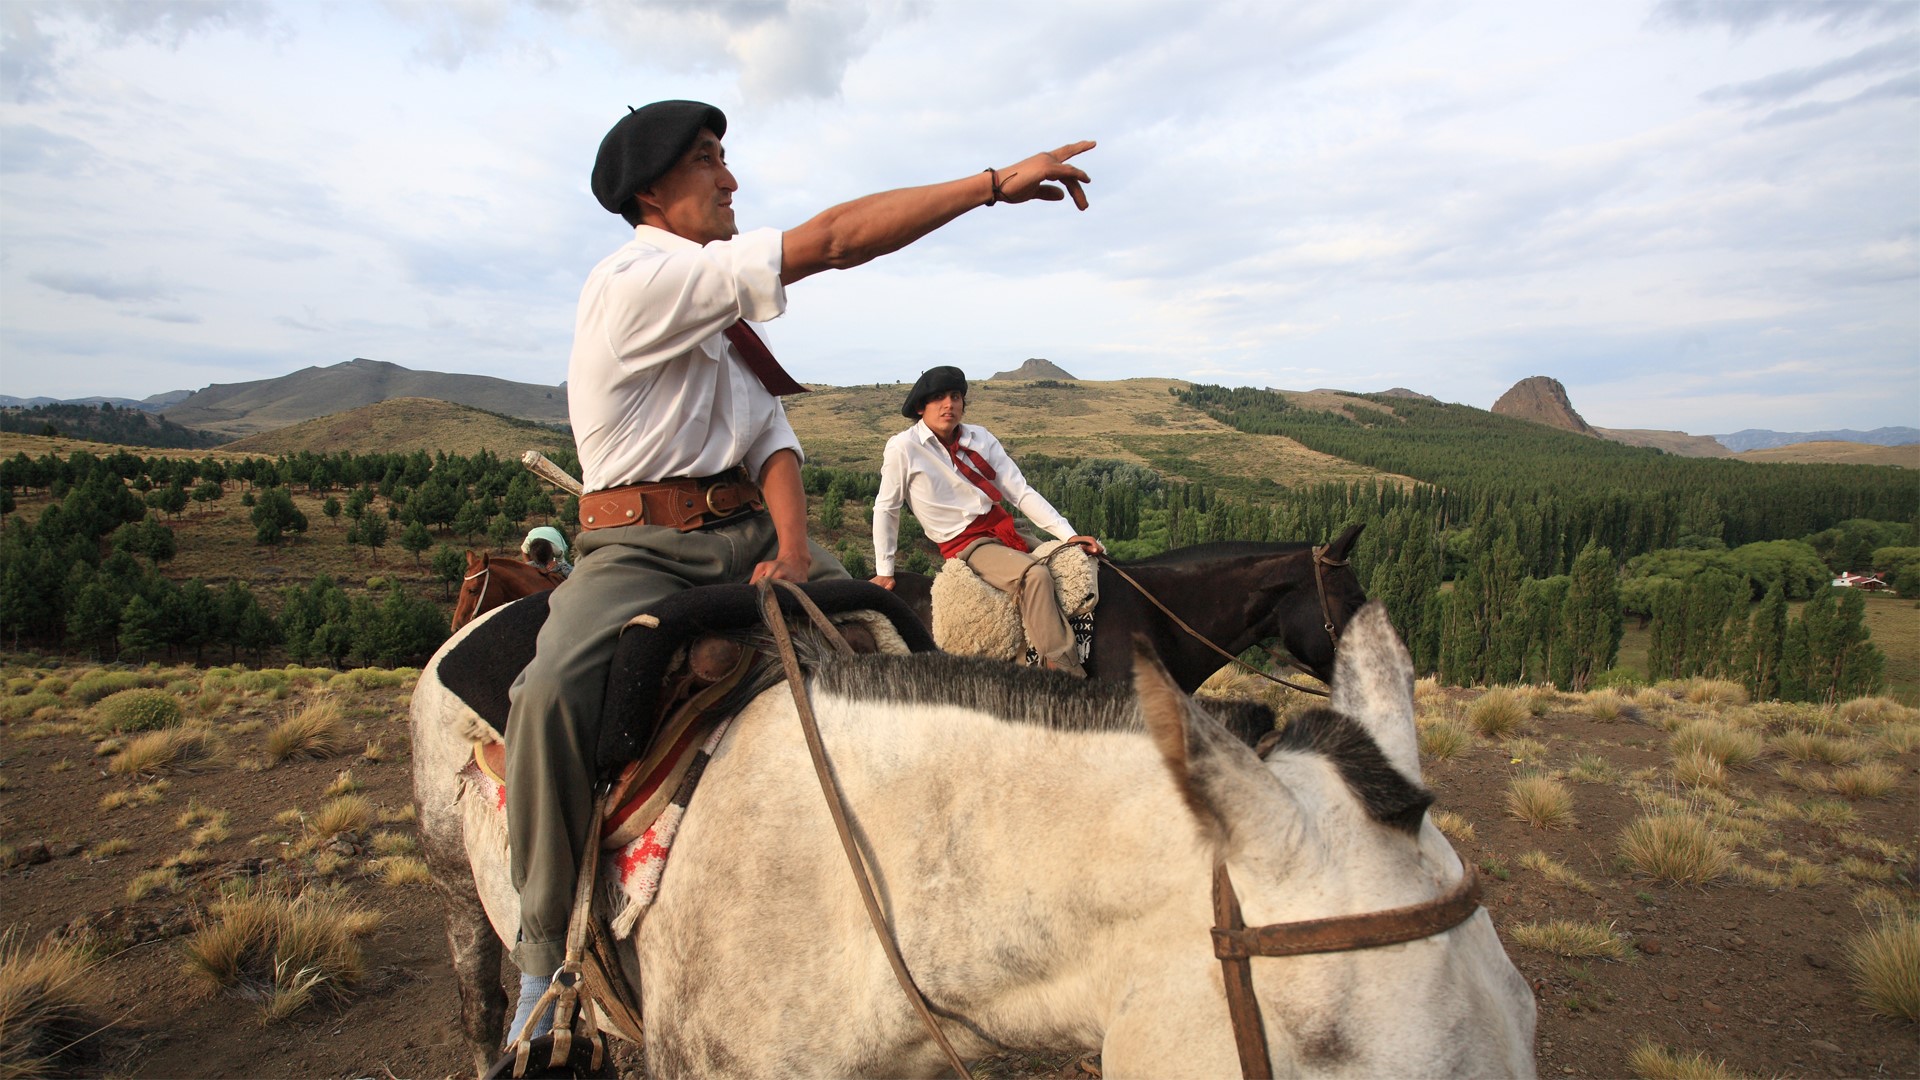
(1044, 848)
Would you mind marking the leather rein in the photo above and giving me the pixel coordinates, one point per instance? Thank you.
(1321, 561)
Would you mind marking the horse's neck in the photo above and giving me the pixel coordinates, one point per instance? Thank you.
(1210, 596)
(1071, 850)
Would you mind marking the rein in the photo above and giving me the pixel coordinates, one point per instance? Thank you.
(1235, 943)
(1320, 562)
(836, 802)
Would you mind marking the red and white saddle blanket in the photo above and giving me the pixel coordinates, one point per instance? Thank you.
(630, 870)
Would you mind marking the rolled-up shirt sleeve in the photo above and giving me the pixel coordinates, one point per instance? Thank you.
(656, 304)
(886, 508)
(778, 436)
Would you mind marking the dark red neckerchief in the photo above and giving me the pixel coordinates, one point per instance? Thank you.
(760, 361)
(996, 523)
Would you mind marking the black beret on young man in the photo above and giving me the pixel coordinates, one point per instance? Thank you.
(932, 382)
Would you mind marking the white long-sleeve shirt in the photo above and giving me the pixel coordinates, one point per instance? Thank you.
(654, 389)
(918, 471)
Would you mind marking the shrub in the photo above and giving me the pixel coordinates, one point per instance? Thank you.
(46, 1008)
(367, 678)
(1540, 801)
(137, 710)
(1674, 847)
(1496, 713)
(19, 708)
(95, 685)
(1885, 966)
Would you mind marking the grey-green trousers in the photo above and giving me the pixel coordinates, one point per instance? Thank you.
(553, 726)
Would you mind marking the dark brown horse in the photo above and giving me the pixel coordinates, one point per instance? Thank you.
(1236, 594)
(490, 582)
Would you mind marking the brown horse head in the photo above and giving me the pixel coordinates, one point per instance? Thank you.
(490, 582)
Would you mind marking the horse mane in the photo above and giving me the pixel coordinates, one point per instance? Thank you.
(995, 687)
(1389, 797)
(1220, 549)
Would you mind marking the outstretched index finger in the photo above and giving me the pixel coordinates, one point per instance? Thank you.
(1073, 148)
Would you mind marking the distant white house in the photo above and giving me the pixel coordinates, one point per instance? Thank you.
(1870, 581)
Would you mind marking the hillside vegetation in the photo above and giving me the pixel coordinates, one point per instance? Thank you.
(403, 425)
(1838, 453)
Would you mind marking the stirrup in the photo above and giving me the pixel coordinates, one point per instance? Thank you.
(579, 1060)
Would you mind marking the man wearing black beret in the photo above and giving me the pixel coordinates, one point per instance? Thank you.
(691, 471)
(955, 475)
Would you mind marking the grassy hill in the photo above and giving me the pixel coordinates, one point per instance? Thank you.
(266, 404)
(1134, 420)
(403, 425)
(1838, 453)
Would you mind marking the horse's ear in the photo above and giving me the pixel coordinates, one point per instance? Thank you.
(1170, 718)
(1373, 684)
(1343, 543)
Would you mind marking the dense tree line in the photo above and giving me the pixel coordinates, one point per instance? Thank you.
(107, 424)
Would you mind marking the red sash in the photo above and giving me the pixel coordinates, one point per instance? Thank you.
(996, 523)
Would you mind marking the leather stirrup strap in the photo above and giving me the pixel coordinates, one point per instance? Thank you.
(836, 805)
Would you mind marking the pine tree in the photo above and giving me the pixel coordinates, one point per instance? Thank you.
(1765, 642)
(1593, 615)
(1795, 661)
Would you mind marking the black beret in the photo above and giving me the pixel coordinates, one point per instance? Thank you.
(645, 144)
(933, 381)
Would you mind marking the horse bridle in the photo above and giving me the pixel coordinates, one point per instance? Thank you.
(1321, 561)
(1236, 943)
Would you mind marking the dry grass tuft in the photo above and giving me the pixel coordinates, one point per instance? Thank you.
(1900, 738)
(165, 879)
(1715, 692)
(1806, 746)
(1651, 1061)
(1453, 826)
(1540, 801)
(1728, 745)
(1885, 966)
(1563, 937)
(173, 750)
(1555, 871)
(1675, 847)
(1525, 751)
(1444, 740)
(1539, 700)
(1497, 713)
(1593, 769)
(1828, 812)
(1759, 875)
(281, 952)
(1876, 711)
(1698, 769)
(375, 752)
(107, 849)
(318, 731)
(1609, 705)
(393, 843)
(395, 815)
(346, 814)
(1874, 780)
(1860, 869)
(343, 784)
(399, 870)
(46, 1008)
(1803, 874)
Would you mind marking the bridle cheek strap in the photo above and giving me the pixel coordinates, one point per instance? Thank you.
(1235, 943)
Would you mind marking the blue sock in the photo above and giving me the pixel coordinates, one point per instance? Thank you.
(531, 987)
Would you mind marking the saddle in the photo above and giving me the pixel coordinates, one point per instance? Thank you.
(972, 618)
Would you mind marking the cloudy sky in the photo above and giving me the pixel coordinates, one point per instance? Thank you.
(1696, 215)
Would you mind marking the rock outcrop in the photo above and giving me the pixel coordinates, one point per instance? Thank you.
(1033, 369)
(1543, 401)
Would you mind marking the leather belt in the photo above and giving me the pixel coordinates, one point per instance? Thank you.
(684, 503)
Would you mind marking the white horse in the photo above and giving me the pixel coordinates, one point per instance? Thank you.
(1044, 850)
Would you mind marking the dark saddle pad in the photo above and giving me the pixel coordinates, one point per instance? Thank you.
(481, 668)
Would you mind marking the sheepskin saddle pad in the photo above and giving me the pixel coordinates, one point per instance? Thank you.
(973, 618)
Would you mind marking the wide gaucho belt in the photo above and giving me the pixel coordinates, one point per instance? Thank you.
(683, 503)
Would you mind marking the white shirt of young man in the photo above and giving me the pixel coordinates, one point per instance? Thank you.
(653, 388)
(917, 470)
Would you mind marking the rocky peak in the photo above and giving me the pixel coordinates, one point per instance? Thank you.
(1544, 401)
(1033, 369)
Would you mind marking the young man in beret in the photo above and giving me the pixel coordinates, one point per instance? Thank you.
(954, 476)
(691, 471)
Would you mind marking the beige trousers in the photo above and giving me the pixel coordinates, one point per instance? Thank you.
(1030, 583)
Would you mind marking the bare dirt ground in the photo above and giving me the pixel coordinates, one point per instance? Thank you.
(1751, 969)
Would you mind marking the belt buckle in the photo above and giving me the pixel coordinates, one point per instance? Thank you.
(714, 510)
